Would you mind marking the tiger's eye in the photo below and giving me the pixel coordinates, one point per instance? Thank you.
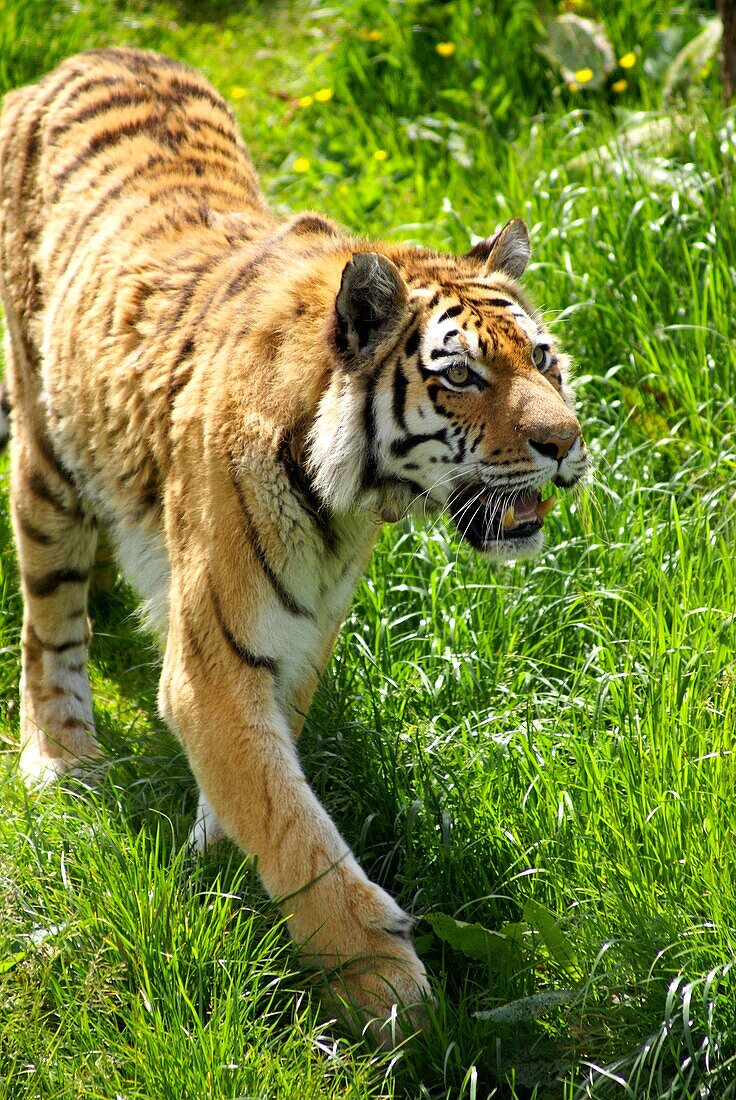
(539, 356)
(458, 373)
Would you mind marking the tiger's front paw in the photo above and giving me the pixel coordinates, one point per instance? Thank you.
(385, 995)
(378, 984)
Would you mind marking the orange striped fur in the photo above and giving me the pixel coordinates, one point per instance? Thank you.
(239, 402)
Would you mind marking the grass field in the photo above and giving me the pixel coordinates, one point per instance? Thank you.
(537, 760)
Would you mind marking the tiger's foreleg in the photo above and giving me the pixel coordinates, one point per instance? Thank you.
(206, 829)
(240, 746)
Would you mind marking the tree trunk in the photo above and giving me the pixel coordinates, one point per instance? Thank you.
(727, 10)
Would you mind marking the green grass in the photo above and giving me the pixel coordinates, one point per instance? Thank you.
(544, 751)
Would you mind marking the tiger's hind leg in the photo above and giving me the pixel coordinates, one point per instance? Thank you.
(56, 538)
(56, 550)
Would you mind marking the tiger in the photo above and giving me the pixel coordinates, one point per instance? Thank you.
(238, 402)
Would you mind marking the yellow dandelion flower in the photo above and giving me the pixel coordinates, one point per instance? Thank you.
(628, 60)
(369, 36)
(236, 92)
(380, 154)
(584, 76)
(573, 86)
(619, 86)
(445, 49)
(324, 95)
(301, 165)
(306, 101)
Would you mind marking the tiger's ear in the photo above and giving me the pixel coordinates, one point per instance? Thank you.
(369, 303)
(507, 252)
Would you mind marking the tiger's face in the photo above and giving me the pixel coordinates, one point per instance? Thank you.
(457, 393)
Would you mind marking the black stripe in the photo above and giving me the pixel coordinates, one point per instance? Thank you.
(244, 277)
(174, 217)
(197, 124)
(113, 101)
(193, 642)
(59, 691)
(85, 86)
(248, 272)
(51, 582)
(369, 475)
(412, 342)
(399, 403)
(305, 493)
(283, 595)
(216, 168)
(198, 91)
(187, 291)
(497, 303)
(245, 655)
(35, 534)
(44, 446)
(177, 382)
(40, 487)
(401, 447)
(312, 223)
(75, 723)
(440, 353)
(96, 145)
(451, 312)
(462, 445)
(148, 497)
(61, 647)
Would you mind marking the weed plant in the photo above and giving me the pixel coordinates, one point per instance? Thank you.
(536, 759)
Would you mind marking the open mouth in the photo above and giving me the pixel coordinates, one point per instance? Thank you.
(484, 517)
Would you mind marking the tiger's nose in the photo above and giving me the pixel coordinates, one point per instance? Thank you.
(554, 446)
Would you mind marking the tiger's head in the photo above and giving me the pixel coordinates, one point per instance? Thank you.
(449, 393)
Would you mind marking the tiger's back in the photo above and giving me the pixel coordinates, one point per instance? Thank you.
(114, 169)
(241, 402)
(133, 226)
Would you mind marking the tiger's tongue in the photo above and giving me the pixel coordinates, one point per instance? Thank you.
(527, 509)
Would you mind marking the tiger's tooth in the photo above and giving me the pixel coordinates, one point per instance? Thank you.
(545, 506)
(508, 518)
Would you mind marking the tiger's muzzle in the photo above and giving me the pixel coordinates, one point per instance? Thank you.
(508, 523)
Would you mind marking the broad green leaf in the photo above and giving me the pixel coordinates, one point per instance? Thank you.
(555, 940)
(493, 948)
